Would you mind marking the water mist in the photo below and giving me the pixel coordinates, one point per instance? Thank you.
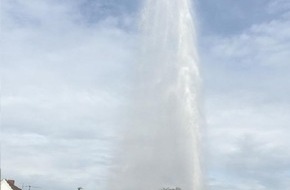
(160, 145)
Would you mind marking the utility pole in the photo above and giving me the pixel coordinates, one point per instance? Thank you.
(29, 187)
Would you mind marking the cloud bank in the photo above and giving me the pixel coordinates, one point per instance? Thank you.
(63, 88)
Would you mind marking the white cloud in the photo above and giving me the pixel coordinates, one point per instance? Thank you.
(63, 86)
(265, 44)
(246, 80)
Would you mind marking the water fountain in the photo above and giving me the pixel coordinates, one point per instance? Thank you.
(160, 141)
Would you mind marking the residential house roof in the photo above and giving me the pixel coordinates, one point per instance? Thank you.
(10, 183)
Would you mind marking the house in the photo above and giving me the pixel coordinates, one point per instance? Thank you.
(8, 184)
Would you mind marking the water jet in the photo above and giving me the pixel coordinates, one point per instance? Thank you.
(160, 145)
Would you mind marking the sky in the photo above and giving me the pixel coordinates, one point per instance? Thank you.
(65, 83)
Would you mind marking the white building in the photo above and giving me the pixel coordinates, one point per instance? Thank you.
(8, 184)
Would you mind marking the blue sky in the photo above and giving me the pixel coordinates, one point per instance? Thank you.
(65, 81)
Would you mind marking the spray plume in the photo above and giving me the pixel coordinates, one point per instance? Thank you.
(160, 146)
